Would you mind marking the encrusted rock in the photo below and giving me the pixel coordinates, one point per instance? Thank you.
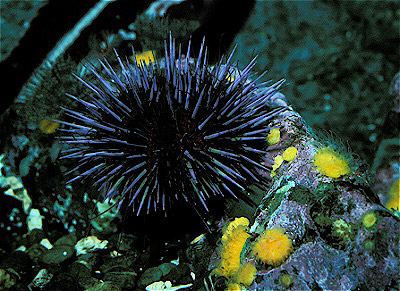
(90, 244)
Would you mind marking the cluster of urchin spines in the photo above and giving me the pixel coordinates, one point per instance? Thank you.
(153, 133)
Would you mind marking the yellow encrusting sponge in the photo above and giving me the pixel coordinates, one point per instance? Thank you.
(289, 154)
(232, 226)
(145, 57)
(331, 164)
(274, 136)
(273, 246)
(231, 249)
(246, 274)
(394, 192)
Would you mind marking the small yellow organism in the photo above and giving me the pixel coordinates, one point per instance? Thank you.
(369, 219)
(285, 280)
(232, 225)
(246, 274)
(289, 154)
(394, 196)
(278, 160)
(274, 136)
(273, 246)
(230, 77)
(369, 245)
(234, 287)
(331, 164)
(230, 251)
(230, 265)
(146, 57)
(342, 229)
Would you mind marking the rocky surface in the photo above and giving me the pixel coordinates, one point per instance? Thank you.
(53, 236)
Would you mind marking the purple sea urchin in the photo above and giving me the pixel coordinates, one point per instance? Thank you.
(177, 129)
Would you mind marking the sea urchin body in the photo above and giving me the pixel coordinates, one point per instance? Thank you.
(175, 129)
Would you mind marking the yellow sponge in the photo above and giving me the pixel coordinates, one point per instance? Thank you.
(331, 164)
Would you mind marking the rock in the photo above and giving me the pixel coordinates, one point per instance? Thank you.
(42, 278)
(105, 286)
(91, 259)
(123, 262)
(342, 237)
(6, 280)
(63, 249)
(58, 254)
(166, 286)
(35, 236)
(120, 270)
(19, 262)
(34, 220)
(83, 275)
(36, 251)
(62, 282)
(69, 240)
(180, 274)
(166, 268)
(125, 279)
(149, 276)
(90, 244)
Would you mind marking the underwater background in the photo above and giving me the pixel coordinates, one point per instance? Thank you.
(339, 59)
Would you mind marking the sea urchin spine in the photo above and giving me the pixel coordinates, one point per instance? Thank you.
(153, 133)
